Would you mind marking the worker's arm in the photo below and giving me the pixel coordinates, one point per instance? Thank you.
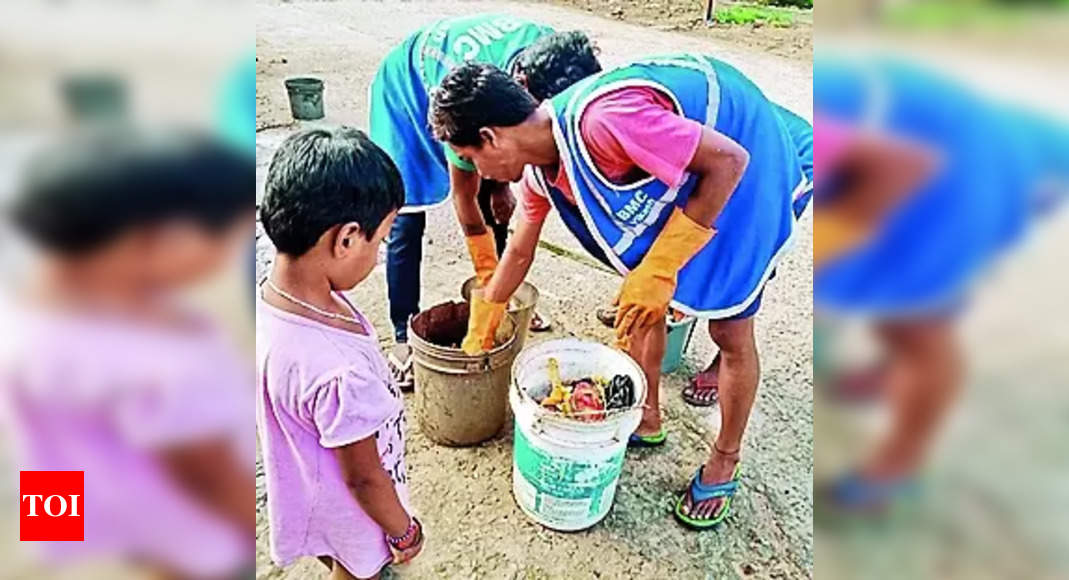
(481, 246)
(515, 263)
(718, 162)
(464, 188)
(488, 306)
(872, 175)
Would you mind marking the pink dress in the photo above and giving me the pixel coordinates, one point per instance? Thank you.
(321, 387)
(105, 396)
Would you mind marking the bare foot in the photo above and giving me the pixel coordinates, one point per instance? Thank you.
(650, 424)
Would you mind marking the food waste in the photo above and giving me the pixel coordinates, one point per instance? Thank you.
(586, 399)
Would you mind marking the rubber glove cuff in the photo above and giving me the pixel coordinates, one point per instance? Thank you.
(483, 252)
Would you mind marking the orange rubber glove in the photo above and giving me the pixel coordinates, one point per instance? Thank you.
(648, 289)
(483, 252)
(483, 321)
(834, 235)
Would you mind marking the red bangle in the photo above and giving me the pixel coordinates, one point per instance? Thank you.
(409, 538)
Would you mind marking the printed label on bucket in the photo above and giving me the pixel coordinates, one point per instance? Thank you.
(563, 489)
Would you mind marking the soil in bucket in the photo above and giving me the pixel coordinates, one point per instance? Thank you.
(461, 399)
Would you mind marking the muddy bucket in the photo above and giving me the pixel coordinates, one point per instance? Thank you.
(306, 98)
(461, 399)
(521, 306)
(565, 471)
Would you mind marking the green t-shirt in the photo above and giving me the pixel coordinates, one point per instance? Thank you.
(490, 38)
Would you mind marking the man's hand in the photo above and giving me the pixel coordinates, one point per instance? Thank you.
(642, 301)
(648, 289)
(502, 205)
(483, 320)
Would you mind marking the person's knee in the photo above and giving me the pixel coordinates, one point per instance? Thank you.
(732, 336)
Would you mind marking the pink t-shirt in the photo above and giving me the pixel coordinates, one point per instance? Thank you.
(629, 133)
(105, 396)
(830, 140)
(321, 387)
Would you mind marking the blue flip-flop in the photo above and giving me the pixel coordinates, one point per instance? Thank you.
(655, 440)
(700, 492)
(853, 493)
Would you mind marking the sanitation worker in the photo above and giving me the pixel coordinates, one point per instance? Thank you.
(432, 174)
(675, 171)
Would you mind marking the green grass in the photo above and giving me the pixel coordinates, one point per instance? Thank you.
(950, 14)
(749, 14)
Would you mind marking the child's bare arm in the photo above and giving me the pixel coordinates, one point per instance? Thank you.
(371, 485)
(209, 471)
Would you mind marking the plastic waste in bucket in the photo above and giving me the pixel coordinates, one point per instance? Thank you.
(676, 343)
(564, 471)
(306, 98)
(461, 399)
(521, 306)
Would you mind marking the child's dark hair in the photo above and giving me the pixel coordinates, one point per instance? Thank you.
(77, 196)
(473, 96)
(557, 61)
(323, 177)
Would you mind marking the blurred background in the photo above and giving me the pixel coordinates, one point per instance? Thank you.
(942, 349)
(127, 177)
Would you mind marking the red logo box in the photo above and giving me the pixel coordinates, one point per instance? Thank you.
(51, 506)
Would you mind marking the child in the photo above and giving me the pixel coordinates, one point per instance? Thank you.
(331, 419)
(110, 374)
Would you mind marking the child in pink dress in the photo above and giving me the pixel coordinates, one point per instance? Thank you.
(106, 370)
(331, 420)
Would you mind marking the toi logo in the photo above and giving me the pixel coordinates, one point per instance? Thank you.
(50, 506)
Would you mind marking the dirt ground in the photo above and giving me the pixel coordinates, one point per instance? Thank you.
(688, 16)
(464, 496)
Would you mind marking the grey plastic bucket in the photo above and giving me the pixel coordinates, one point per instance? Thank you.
(306, 98)
(521, 306)
(461, 399)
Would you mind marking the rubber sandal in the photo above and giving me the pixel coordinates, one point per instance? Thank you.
(859, 387)
(853, 494)
(642, 441)
(540, 323)
(606, 315)
(401, 370)
(690, 390)
(700, 492)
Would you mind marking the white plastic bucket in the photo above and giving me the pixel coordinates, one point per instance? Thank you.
(564, 471)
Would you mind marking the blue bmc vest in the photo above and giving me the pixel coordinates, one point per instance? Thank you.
(617, 223)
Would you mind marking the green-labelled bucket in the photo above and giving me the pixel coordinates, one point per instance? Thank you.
(675, 345)
(306, 98)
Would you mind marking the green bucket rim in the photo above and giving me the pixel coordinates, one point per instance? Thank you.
(304, 84)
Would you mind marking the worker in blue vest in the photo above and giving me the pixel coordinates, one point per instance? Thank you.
(675, 171)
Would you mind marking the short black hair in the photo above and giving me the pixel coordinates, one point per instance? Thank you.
(473, 96)
(323, 177)
(79, 194)
(557, 61)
